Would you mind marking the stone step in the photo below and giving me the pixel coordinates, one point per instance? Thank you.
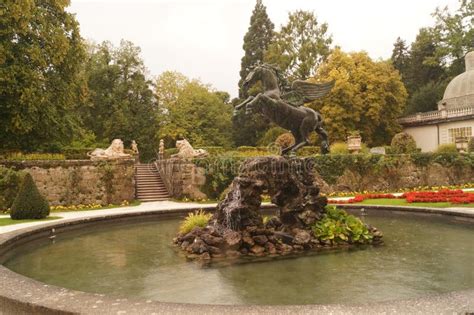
(148, 190)
(149, 180)
(149, 185)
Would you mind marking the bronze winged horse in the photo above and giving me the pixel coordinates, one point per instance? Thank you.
(286, 109)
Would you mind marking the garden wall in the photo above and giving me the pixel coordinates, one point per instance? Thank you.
(182, 178)
(333, 173)
(73, 182)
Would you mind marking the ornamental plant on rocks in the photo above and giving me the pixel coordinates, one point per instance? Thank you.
(304, 222)
(29, 203)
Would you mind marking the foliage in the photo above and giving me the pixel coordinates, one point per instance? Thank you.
(285, 140)
(300, 46)
(196, 219)
(18, 156)
(220, 172)
(41, 54)
(271, 135)
(339, 227)
(192, 110)
(256, 41)
(426, 97)
(447, 148)
(368, 96)
(436, 56)
(470, 145)
(10, 181)
(339, 148)
(403, 143)
(454, 35)
(29, 203)
(120, 101)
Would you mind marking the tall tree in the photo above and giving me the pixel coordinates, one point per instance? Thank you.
(300, 46)
(368, 97)
(400, 56)
(454, 33)
(192, 110)
(120, 102)
(256, 41)
(41, 53)
(248, 129)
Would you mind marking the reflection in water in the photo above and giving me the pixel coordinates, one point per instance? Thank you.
(421, 255)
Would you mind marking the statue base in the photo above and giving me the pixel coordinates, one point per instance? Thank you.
(238, 228)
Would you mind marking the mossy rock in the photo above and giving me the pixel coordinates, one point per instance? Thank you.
(29, 203)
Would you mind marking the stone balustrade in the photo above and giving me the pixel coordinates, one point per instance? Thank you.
(437, 115)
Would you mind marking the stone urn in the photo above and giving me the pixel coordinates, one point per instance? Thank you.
(461, 144)
(354, 143)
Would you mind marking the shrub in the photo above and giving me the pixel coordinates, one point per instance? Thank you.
(10, 181)
(403, 143)
(29, 203)
(213, 151)
(285, 140)
(309, 151)
(337, 226)
(470, 145)
(271, 135)
(446, 148)
(196, 219)
(18, 156)
(339, 148)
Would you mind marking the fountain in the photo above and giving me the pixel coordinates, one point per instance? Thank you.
(237, 227)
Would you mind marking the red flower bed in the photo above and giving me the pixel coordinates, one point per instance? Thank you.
(453, 196)
(446, 195)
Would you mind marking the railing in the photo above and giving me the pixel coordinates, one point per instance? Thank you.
(437, 115)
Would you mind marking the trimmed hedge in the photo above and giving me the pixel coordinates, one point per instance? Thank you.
(10, 181)
(29, 203)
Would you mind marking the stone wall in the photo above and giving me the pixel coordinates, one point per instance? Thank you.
(182, 178)
(73, 182)
(185, 179)
(404, 175)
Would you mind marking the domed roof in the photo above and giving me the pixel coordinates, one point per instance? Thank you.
(463, 84)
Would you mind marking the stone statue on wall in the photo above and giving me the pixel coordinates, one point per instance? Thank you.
(134, 147)
(186, 151)
(284, 108)
(114, 151)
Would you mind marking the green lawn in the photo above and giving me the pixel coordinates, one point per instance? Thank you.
(9, 221)
(403, 202)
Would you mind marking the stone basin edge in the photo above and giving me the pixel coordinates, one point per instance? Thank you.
(22, 295)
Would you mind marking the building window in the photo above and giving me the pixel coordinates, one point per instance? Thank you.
(454, 133)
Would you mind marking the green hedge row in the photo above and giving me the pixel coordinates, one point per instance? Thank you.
(220, 171)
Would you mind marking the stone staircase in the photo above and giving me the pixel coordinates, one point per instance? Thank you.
(149, 185)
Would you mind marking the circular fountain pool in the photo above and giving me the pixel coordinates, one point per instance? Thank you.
(422, 255)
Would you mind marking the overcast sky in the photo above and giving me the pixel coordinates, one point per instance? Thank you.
(203, 38)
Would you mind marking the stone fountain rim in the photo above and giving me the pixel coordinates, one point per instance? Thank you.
(19, 293)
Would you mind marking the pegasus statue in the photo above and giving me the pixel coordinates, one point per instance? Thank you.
(285, 107)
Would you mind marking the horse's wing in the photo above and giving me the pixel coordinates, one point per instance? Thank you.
(311, 91)
(294, 98)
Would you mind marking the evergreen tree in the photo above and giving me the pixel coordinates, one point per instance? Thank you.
(41, 54)
(256, 41)
(400, 56)
(248, 129)
(29, 203)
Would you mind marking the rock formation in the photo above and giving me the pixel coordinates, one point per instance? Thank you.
(237, 227)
